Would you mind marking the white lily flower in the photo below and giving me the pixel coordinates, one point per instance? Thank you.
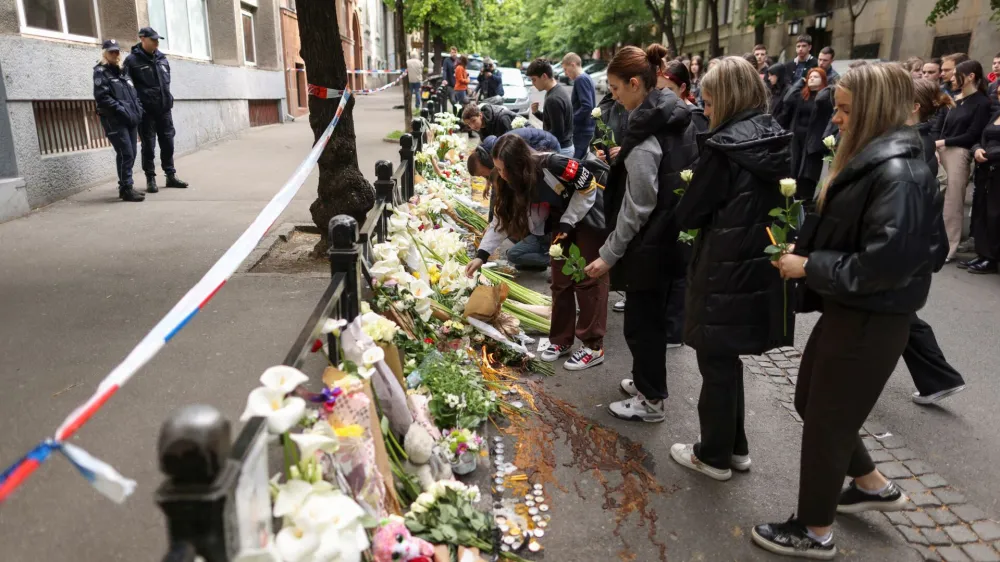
(372, 355)
(282, 412)
(295, 544)
(283, 378)
(325, 509)
(366, 372)
(291, 496)
(423, 308)
(342, 544)
(309, 443)
(420, 289)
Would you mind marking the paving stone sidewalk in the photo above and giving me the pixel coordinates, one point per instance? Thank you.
(938, 520)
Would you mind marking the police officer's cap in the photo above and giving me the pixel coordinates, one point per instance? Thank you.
(150, 33)
(111, 45)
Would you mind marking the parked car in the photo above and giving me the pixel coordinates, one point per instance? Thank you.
(474, 67)
(600, 82)
(589, 66)
(515, 94)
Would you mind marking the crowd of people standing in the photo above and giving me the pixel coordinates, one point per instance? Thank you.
(675, 212)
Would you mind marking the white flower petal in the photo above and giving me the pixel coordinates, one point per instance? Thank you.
(372, 355)
(291, 496)
(285, 418)
(309, 443)
(296, 545)
(283, 377)
(261, 402)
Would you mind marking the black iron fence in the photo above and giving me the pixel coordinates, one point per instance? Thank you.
(215, 495)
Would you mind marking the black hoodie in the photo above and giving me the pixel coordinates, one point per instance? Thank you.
(497, 120)
(642, 244)
(734, 303)
(151, 76)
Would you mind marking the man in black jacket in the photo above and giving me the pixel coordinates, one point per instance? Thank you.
(488, 120)
(149, 70)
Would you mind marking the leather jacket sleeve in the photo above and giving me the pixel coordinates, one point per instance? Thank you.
(894, 244)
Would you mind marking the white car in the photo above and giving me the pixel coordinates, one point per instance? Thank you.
(515, 95)
(600, 82)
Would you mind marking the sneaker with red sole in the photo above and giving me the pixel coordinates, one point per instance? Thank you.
(584, 358)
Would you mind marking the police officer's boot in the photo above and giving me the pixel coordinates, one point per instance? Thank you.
(128, 194)
(151, 184)
(174, 181)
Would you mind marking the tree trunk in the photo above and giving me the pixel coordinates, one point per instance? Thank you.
(713, 13)
(342, 187)
(438, 48)
(427, 44)
(401, 56)
(668, 20)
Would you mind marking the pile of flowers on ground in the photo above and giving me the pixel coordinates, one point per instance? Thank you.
(370, 459)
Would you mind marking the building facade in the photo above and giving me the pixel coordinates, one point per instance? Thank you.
(885, 29)
(226, 64)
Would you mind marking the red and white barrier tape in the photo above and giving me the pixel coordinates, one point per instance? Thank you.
(101, 475)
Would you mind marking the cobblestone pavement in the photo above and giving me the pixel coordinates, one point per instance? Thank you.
(939, 522)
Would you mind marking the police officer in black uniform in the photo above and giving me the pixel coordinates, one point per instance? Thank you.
(150, 72)
(120, 111)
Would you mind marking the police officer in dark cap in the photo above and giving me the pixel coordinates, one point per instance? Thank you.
(150, 72)
(121, 113)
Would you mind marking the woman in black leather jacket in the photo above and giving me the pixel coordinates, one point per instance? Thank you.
(866, 261)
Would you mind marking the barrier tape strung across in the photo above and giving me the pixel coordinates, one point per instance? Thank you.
(101, 475)
(322, 92)
(355, 71)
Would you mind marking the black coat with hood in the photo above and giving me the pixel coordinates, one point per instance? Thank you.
(497, 120)
(116, 99)
(879, 236)
(735, 300)
(778, 91)
(615, 116)
(151, 76)
(642, 244)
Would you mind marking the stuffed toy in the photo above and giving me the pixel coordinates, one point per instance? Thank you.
(424, 462)
(393, 543)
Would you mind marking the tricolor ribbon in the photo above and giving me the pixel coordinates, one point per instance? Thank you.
(101, 475)
(323, 93)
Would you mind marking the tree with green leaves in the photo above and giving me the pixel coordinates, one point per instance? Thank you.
(762, 13)
(943, 8)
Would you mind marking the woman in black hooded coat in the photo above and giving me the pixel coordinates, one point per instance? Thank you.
(777, 85)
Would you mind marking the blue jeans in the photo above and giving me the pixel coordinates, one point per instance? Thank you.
(568, 152)
(532, 251)
(415, 91)
(581, 143)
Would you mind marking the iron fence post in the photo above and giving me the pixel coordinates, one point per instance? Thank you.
(417, 130)
(406, 159)
(384, 194)
(344, 258)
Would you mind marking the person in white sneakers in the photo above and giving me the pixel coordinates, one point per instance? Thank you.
(539, 190)
(642, 252)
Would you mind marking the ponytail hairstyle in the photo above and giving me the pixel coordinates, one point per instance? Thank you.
(930, 97)
(679, 74)
(882, 97)
(632, 62)
(515, 194)
(967, 67)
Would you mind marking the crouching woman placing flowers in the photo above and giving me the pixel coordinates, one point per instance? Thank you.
(533, 192)
(866, 261)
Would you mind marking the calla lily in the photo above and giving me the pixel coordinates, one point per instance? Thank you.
(325, 509)
(366, 372)
(295, 544)
(283, 378)
(333, 326)
(372, 355)
(343, 544)
(282, 412)
(291, 496)
(310, 443)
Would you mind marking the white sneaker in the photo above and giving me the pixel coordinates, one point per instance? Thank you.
(937, 396)
(553, 352)
(619, 306)
(684, 455)
(584, 358)
(628, 387)
(637, 408)
(740, 463)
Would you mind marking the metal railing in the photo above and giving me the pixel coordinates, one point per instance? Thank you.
(211, 495)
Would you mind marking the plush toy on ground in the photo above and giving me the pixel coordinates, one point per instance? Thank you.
(393, 543)
(423, 462)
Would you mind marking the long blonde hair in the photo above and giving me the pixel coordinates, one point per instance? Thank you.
(734, 86)
(882, 100)
(106, 62)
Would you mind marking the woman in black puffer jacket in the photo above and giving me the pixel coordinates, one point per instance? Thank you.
(734, 304)
(866, 261)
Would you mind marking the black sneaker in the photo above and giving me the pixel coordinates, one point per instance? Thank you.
(791, 539)
(854, 500)
(151, 184)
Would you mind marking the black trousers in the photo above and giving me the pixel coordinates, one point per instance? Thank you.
(924, 359)
(845, 366)
(123, 139)
(646, 336)
(157, 127)
(675, 310)
(721, 410)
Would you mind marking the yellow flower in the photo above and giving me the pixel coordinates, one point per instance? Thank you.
(416, 274)
(349, 431)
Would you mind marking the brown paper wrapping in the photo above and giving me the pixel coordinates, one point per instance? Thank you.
(393, 360)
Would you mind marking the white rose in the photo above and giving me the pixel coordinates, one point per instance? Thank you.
(830, 142)
(686, 175)
(787, 187)
(555, 251)
(596, 113)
